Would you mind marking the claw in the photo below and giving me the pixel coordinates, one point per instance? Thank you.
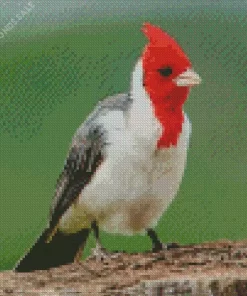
(164, 247)
(101, 254)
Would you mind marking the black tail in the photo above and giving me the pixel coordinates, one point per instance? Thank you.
(62, 249)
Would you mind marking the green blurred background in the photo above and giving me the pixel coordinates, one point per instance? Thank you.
(62, 57)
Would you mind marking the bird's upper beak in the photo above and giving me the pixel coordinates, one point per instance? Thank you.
(187, 78)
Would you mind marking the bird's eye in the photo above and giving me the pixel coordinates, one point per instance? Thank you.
(167, 71)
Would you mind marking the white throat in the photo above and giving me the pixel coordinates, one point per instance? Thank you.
(141, 117)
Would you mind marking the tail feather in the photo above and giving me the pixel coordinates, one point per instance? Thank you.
(62, 249)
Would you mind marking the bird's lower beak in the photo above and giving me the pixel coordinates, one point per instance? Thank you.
(187, 78)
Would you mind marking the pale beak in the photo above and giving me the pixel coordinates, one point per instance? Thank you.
(187, 78)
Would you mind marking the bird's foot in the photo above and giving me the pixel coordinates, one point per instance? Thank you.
(164, 247)
(101, 254)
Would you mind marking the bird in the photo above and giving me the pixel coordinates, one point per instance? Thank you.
(126, 161)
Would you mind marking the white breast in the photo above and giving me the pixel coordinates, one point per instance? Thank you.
(134, 185)
(169, 165)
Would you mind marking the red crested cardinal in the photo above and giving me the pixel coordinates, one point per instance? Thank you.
(126, 160)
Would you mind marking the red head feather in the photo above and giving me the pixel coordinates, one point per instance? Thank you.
(161, 52)
(156, 36)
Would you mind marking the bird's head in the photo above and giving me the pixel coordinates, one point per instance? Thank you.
(167, 71)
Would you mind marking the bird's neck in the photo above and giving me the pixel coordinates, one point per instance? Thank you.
(171, 120)
(158, 125)
(171, 117)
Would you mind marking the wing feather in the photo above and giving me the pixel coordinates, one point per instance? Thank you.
(84, 157)
(82, 162)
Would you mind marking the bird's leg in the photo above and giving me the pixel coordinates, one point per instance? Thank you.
(157, 245)
(99, 252)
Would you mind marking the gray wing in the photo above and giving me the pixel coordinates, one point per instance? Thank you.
(84, 157)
